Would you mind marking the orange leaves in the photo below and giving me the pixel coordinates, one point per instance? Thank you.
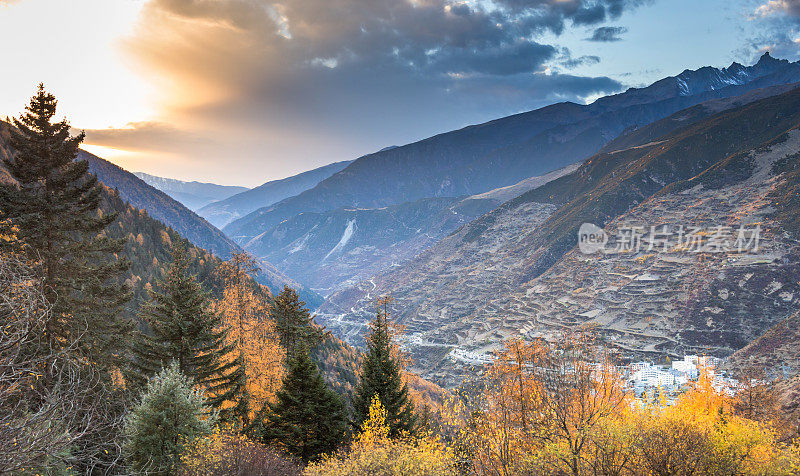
(251, 331)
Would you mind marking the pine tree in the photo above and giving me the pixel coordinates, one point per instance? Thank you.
(183, 329)
(169, 415)
(55, 204)
(381, 375)
(294, 322)
(308, 419)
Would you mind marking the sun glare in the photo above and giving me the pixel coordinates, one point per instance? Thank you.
(75, 53)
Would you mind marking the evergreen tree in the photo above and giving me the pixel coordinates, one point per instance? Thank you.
(55, 205)
(183, 329)
(308, 419)
(295, 325)
(381, 375)
(169, 415)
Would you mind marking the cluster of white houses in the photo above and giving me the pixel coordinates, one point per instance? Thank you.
(644, 377)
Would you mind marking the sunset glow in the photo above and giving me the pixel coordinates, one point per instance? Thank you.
(281, 87)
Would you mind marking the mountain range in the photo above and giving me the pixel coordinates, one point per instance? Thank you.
(384, 208)
(517, 270)
(193, 194)
(474, 232)
(502, 152)
(333, 249)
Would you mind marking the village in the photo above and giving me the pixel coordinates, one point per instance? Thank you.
(646, 380)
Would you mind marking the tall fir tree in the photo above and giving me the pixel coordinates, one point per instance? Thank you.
(381, 376)
(183, 329)
(295, 325)
(55, 205)
(307, 419)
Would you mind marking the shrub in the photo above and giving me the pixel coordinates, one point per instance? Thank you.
(375, 453)
(228, 452)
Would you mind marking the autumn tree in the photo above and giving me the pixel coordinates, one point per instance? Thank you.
(251, 335)
(381, 375)
(579, 389)
(55, 204)
(374, 452)
(184, 329)
(543, 406)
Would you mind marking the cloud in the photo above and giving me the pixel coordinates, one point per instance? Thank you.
(778, 29)
(779, 7)
(144, 136)
(585, 60)
(607, 33)
(289, 85)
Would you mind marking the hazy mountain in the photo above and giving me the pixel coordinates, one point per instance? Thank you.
(502, 152)
(192, 194)
(187, 223)
(329, 250)
(225, 211)
(525, 275)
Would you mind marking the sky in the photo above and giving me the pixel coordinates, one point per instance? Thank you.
(241, 92)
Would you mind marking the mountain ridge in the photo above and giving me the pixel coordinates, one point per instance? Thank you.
(193, 194)
(224, 211)
(526, 277)
(500, 152)
(168, 211)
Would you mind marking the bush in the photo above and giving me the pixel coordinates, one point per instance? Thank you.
(375, 453)
(227, 452)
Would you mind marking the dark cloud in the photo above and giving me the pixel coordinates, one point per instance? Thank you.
(355, 75)
(145, 136)
(586, 60)
(778, 30)
(607, 33)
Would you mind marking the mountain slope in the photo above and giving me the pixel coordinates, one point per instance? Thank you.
(168, 211)
(525, 276)
(502, 152)
(162, 207)
(225, 211)
(193, 195)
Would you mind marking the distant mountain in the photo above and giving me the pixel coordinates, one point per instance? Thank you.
(502, 152)
(225, 211)
(193, 195)
(722, 163)
(330, 250)
(172, 213)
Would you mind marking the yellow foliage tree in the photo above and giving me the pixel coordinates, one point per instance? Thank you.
(251, 331)
(373, 452)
